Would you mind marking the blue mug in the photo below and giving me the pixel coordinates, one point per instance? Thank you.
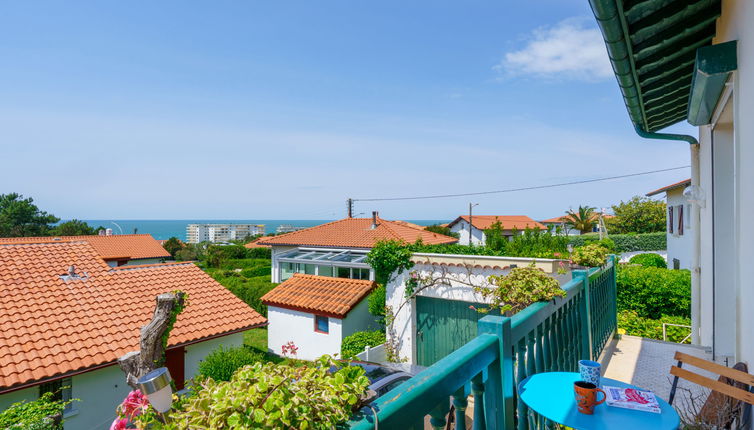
(590, 371)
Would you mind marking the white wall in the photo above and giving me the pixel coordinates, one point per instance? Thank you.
(680, 246)
(197, 352)
(286, 325)
(462, 228)
(359, 319)
(100, 391)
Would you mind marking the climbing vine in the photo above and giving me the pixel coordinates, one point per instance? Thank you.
(388, 258)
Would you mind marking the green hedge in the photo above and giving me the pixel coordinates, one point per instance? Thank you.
(249, 284)
(649, 260)
(627, 242)
(356, 342)
(652, 292)
(629, 322)
(222, 363)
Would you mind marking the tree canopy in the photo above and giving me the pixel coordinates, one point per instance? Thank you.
(73, 227)
(173, 245)
(638, 215)
(20, 217)
(583, 220)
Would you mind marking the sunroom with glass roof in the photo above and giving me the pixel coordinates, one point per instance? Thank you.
(335, 263)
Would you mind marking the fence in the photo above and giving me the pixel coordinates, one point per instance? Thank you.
(550, 336)
(376, 354)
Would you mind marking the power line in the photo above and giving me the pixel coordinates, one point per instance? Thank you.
(510, 190)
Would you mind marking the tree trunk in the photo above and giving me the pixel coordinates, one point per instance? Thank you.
(151, 355)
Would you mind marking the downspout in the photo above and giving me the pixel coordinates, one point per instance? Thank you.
(696, 291)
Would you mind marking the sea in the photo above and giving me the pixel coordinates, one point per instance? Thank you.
(165, 229)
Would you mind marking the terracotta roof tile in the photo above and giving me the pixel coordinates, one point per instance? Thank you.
(358, 233)
(561, 219)
(684, 183)
(255, 243)
(53, 326)
(319, 294)
(133, 246)
(509, 222)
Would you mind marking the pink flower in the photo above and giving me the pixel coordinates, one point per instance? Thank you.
(134, 404)
(119, 424)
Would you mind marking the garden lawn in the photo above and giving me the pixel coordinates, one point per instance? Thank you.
(256, 338)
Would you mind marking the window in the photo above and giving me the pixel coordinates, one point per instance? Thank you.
(287, 270)
(325, 270)
(344, 272)
(61, 389)
(670, 219)
(321, 324)
(360, 274)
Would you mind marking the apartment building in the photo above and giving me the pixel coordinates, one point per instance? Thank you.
(196, 233)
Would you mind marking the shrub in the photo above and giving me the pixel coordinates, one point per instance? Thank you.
(356, 342)
(222, 363)
(441, 229)
(259, 253)
(627, 242)
(632, 324)
(520, 288)
(649, 260)
(36, 415)
(591, 255)
(275, 396)
(652, 292)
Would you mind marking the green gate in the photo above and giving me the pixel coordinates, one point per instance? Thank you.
(442, 326)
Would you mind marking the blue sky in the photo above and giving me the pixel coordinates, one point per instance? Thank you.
(243, 110)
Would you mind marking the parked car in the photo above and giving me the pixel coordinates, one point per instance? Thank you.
(384, 378)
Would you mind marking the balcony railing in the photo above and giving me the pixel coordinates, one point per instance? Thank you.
(544, 337)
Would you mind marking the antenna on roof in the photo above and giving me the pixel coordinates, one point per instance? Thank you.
(349, 204)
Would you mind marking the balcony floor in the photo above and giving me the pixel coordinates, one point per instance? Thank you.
(646, 363)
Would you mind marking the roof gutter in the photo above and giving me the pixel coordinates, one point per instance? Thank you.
(666, 136)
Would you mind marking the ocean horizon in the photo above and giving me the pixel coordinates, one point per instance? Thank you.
(165, 229)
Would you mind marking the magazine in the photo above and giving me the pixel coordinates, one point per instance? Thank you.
(631, 398)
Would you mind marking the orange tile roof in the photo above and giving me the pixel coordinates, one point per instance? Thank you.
(319, 294)
(684, 183)
(133, 246)
(51, 326)
(509, 222)
(358, 233)
(255, 243)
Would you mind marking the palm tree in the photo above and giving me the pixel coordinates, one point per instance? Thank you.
(582, 220)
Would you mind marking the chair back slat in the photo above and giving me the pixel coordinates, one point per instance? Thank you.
(736, 375)
(718, 386)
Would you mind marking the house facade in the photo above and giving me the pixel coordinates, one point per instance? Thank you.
(560, 224)
(472, 233)
(709, 82)
(67, 317)
(316, 313)
(678, 224)
(339, 248)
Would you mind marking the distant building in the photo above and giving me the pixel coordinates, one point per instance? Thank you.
(678, 225)
(552, 225)
(196, 233)
(115, 250)
(474, 234)
(339, 248)
(287, 228)
(67, 317)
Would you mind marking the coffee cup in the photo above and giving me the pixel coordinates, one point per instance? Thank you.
(590, 371)
(586, 396)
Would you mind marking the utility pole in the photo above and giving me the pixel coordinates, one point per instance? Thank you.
(349, 204)
(471, 206)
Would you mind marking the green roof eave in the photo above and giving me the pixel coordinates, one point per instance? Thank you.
(714, 64)
(651, 45)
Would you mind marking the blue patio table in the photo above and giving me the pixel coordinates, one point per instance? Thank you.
(550, 395)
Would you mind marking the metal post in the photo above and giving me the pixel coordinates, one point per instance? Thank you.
(499, 387)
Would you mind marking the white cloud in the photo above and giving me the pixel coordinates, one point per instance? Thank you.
(571, 49)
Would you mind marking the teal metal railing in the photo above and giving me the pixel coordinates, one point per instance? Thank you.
(544, 337)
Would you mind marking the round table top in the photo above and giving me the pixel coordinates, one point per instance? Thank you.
(551, 395)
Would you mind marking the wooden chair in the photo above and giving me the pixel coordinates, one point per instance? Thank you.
(728, 393)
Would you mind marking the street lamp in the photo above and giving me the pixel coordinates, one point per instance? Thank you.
(471, 226)
(156, 385)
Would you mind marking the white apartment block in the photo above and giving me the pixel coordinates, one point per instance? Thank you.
(196, 233)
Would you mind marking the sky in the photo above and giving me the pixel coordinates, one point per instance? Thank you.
(283, 110)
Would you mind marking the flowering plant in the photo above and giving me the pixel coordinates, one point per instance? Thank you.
(289, 349)
(134, 412)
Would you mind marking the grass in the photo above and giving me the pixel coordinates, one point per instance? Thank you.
(256, 338)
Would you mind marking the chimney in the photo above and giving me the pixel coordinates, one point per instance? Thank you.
(374, 220)
(108, 232)
(72, 271)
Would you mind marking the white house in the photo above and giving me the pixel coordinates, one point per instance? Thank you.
(561, 223)
(444, 317)
(679, 228)
(67, 316)
(473, 232)
(339, 248)
(703, 75)
(316, 313)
